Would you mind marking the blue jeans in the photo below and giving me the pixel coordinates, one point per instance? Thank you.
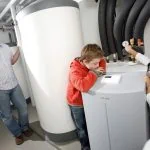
(78, 117)
(14, 95)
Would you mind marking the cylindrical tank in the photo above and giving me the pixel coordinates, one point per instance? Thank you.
(19, 72)
(51, 37)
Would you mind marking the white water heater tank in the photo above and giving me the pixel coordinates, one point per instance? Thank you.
(51, 38)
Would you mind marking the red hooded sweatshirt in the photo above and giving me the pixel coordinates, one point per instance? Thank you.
(81, 79)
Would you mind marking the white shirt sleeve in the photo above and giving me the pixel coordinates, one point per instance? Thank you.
(142, 59)
(148, 98)
(147, 145)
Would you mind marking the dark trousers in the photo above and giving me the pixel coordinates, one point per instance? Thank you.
(78, 116)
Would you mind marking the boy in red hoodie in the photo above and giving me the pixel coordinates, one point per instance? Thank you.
(83, 73)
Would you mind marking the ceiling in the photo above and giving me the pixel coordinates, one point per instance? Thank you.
(20, 4)
(3, 3)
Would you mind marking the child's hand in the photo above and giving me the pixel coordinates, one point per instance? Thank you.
(99, 71)
(128, 48)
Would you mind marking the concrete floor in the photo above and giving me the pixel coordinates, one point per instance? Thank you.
(35, 142)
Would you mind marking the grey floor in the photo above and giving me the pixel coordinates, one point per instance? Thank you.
(35, 142)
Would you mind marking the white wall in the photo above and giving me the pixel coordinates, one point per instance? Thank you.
(89, 21)
(4, 37)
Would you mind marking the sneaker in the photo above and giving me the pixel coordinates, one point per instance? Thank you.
(19, 140)
(28, 133)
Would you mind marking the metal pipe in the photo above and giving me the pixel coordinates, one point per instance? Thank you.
(21, 2)
(8, 20)
(12, 2)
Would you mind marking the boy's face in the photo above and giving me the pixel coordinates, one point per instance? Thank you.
(92, 65)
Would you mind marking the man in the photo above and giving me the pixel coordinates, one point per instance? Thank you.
(146, 61)
(10, 91)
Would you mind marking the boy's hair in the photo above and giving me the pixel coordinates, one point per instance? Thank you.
(90, 52)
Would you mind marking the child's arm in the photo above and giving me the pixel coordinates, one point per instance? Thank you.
(142, 59)
(130, 50)
(138, 56)
(81, 83)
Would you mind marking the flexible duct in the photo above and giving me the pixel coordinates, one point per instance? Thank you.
(119, 25)
(102, 26)
(141, 21)
(135, 11)
(110, 18)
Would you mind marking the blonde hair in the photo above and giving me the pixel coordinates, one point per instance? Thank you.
(90, 52)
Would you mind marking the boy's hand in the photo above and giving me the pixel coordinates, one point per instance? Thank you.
(99, 71)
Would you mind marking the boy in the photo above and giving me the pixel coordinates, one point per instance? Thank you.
(83, 73)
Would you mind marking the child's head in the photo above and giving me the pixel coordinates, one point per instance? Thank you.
(91, 55)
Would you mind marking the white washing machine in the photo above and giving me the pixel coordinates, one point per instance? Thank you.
(115, 110)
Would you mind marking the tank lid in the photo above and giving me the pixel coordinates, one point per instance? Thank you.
(40, 5)
(131, 82)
